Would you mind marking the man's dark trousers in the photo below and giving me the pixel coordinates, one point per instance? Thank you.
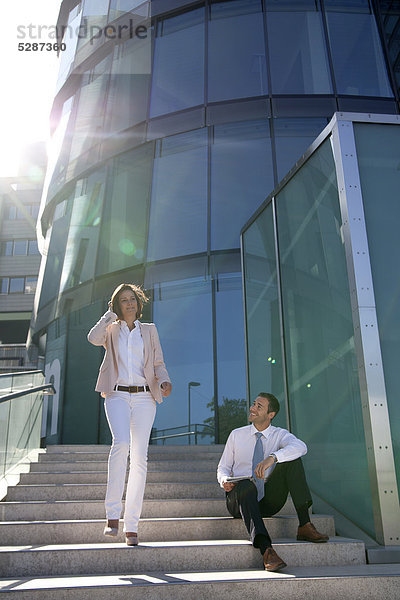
(287, 477)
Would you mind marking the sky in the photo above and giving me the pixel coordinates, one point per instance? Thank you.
(28, 79)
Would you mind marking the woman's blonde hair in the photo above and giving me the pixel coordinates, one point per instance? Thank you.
(141, 298)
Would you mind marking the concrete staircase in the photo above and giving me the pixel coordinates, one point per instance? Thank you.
(53, 546)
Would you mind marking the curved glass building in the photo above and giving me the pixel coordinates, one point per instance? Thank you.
(172, 122)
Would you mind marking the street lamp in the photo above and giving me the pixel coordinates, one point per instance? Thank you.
(190, 385)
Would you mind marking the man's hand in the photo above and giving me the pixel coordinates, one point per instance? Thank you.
(166, 388)
(228, 486)
(263, 466)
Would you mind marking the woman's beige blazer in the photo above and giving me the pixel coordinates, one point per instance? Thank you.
(106, 333)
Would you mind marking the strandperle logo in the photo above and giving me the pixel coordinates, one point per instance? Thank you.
(129, 29)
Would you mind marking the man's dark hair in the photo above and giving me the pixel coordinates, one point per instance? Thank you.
(273, 403)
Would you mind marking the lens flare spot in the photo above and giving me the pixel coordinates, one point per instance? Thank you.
(127, 247)
(139, 253)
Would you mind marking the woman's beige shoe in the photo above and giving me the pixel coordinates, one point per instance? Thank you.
(131, 539)
(111, 529)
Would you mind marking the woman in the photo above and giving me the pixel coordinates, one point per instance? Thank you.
(133, 379)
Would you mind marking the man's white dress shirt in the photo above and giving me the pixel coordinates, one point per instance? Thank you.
(130, 355)
(237, 458)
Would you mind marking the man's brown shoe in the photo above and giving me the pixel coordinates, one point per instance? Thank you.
(272, 562)
(308, 533)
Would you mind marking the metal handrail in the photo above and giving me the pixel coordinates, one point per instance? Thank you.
(196, 432)
(174, 435)
(22, 373)
(32, 390)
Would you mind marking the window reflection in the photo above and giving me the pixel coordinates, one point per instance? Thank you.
(232, 403)
(94, 16)
(17, 285)
(391, 26)
(178, 72)
(241, 178)
(124, 226)
(182, 311)
(292, 138)
(380, 178)
(88, 127)
(70, 39)
(318, 332)
(56, 241)
(30, 285)
(265, 363)
(299, 62)
(128, 90)
(80, 254)
(236, 50)
(358, 60)
(178, 215)
(120, 7)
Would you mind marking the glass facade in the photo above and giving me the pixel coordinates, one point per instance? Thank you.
(124, 218)
(380, 180)
(236, 51)
(309, 317)
(358, 60)
(178, 69)
(152, 176)
(299, 58)
(178, 214)
(318, 333)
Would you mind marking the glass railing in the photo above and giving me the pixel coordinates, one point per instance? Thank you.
(21, 401)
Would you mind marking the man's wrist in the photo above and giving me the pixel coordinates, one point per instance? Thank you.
(273, 455)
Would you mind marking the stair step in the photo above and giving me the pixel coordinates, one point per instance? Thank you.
(100, 477)
(90, 491)
(202, 449)
(186, 555)
(103, 456)
(101, 465)
(189, 544)
(358, 582)
(150, 530)
(94, 509)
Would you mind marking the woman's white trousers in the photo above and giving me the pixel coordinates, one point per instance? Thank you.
(130, 417)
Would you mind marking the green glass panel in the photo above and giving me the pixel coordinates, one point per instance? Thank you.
(324, 394)
(83, 410)
(265, 365)
(380, 184)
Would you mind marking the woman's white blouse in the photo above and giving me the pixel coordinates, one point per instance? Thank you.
(130, 360)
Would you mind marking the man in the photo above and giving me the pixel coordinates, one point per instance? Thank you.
(262, 451)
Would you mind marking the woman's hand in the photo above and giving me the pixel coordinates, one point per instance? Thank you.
(166, 388)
